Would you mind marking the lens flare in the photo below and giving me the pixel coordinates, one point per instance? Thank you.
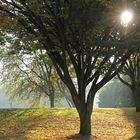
(126, 17)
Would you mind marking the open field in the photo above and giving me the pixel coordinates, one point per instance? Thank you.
(62, 124)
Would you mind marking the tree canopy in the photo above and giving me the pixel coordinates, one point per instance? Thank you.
(132, 69)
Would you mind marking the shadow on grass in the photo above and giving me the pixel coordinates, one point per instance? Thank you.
(15, 124)
(80, 137)
(134, 117)
(21, 124)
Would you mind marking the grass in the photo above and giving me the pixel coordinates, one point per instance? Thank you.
(62, 124)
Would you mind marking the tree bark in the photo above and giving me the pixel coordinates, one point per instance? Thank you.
(85, 123)
(51, 98)
(52, 103)
(136, 92)
(137, 101)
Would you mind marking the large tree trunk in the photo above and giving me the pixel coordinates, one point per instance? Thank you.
(137, 101)
(85, 122)
(83, 106)
(136, 92)
(84, 111)
(85, 117)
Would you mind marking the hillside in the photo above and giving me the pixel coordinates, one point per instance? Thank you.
(62, 124)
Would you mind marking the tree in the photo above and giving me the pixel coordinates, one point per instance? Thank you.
(75, 34)
(20, 79)
(32, 77)
(132, 69)
(115, 94)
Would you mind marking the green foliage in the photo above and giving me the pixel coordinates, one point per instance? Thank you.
(115, 94)
(16, 82)
(31, 78)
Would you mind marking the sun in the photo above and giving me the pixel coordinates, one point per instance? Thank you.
(126, 17)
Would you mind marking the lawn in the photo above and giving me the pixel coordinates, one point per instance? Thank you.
(62, 124)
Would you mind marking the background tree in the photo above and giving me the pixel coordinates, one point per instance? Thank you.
(132, 69)
(75, 34)
(32, 78)
(115, 94)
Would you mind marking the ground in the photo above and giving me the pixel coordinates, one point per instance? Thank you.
(62, 124)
